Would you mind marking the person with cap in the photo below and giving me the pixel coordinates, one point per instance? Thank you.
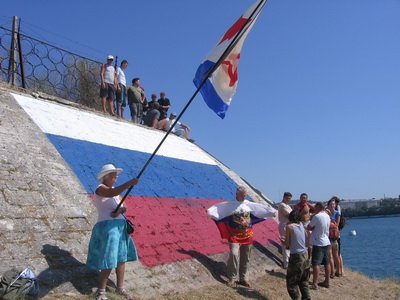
(108, 84)
(180, 129)
(121, 89)
(165, 104)
(110, 245)
(135, 100)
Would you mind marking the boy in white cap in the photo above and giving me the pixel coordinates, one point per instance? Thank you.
(108, 85)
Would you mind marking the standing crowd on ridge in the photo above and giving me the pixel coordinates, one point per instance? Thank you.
(115, 95)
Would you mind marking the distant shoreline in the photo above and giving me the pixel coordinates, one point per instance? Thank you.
(374, 217)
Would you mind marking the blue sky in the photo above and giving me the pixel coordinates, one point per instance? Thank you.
(317, 107)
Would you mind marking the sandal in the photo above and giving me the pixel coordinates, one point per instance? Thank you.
(101, 295)
(122, 292)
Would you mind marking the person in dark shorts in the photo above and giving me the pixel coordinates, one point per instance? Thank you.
(108, 85)
(319, 225)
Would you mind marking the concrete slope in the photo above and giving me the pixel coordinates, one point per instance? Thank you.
(45, 216)
(50, 157)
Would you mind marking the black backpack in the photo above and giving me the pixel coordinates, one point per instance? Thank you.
(15, 284)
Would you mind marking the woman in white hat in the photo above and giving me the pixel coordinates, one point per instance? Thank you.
(110, 245)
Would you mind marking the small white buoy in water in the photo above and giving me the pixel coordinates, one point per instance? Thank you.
(353, 232)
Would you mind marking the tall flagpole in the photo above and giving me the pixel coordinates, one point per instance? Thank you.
(232, 44)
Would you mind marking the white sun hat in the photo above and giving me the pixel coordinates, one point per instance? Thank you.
(107, 169)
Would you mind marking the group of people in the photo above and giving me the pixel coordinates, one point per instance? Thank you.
(115, 95)
(111, 246)
(310, 238)
(306, 232)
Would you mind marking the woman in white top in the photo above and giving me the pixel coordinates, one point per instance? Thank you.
(110, 245)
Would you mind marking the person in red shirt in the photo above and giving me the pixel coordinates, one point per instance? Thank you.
(305, 209)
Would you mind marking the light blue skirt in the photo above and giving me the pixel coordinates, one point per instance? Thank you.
(109, 245)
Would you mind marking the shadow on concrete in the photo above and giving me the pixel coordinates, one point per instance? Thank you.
(63, 268)
(275, 244)
(216, 268)
(268, 253)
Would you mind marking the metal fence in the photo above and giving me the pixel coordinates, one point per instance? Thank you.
(38, 66)
(5, 45)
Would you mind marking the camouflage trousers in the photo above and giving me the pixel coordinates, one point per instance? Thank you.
(297, 276)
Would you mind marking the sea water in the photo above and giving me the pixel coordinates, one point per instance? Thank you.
(375, 249)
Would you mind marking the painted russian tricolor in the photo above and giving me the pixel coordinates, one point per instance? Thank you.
(219, 87)
(169, 204)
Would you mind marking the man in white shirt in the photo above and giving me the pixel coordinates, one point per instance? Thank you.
(108, 85)
(284, 210)
(319, 225)
(121, 89)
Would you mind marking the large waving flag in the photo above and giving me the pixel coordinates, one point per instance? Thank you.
(217, 76)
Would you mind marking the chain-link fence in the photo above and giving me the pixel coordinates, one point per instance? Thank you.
(5, 45)
(38, 66)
